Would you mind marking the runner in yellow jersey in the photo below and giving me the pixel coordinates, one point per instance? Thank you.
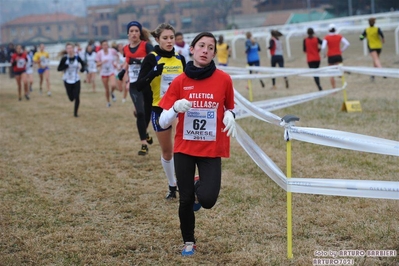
(375, 39)
(224, 51)
(42, 59)
(158, 69)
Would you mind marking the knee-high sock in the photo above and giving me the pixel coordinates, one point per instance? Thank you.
(169, 168)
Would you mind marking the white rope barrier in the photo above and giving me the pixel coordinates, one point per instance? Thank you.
(278, 103)
(238, 73)
(320, 186)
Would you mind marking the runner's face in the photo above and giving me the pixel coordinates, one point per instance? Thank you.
(203, 51)
(134, 34)
(166, 40)
(104, 46)
(19, 49)
(69, 49)
(179, 39)
(42, 47)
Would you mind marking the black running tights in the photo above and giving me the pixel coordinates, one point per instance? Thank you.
(73, 92)
(142, 101)
(207, 189)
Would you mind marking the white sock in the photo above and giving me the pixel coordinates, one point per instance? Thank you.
(169, 168)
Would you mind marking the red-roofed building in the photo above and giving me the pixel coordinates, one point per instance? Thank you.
(44, 28)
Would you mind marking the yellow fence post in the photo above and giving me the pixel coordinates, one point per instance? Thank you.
(288, 121)
(250, 90)
(349, 106)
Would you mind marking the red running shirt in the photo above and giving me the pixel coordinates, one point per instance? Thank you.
(140, 53)
(333, 44)
(312, 49)
(20, 61)
(199, 131)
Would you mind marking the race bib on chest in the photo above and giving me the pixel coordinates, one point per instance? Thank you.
(200, 124)
(92, 65)
(43, 61)
(107, 68)
(70, 73)
(166, 79)
(21, 63)
(134, 71)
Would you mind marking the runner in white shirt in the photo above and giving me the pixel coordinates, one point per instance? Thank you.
(71, 63)
(29, 69)
(107, 58)
(181, 47)
(90, 60)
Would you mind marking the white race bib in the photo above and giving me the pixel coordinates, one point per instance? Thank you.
(200, 124)
(21, 63)
(92, 67)
(134, 71)
(43, 61)
(166, 79)
(107, 68)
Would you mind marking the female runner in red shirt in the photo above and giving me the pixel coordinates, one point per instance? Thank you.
(19, 61)
(333, 42)
(203, 99)
(311, 48)
(137, 49)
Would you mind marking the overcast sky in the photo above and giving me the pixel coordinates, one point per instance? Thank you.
(11, 9)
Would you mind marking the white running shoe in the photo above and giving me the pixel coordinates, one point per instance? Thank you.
(113, 97)
(123, 100)
(108, 105)
(189, 249)
(49, 93)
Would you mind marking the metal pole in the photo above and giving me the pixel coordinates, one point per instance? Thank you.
(350, 7)
(372, 7)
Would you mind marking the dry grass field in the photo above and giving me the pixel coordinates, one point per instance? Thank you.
(73, 191)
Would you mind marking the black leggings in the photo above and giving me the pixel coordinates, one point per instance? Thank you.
(73, 92)
(142, 101)
(277, 60)
(315, 64)
(207, 189)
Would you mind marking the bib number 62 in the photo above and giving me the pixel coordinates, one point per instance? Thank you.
(199, 124)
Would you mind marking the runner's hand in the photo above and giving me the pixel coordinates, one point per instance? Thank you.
(158, 69)
(181, 106)
(230, 124)
(121, 74)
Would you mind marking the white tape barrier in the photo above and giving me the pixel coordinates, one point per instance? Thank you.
(260, 158)
(345, 187)
(279, 103)
(325, 137)
(285, 72)
(51, 63)
(256, 111)
(334, 187)
(330, 71)
(372, 71)
(343, 140)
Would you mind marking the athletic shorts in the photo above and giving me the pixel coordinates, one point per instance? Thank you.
(254, 63)
(335, 59)
(42, 70)
(108, 76)
(155, 114)
(377, 50)
(19, 73)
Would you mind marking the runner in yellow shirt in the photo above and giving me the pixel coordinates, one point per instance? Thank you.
(42, 58)
(375, 39)
(224, 51)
